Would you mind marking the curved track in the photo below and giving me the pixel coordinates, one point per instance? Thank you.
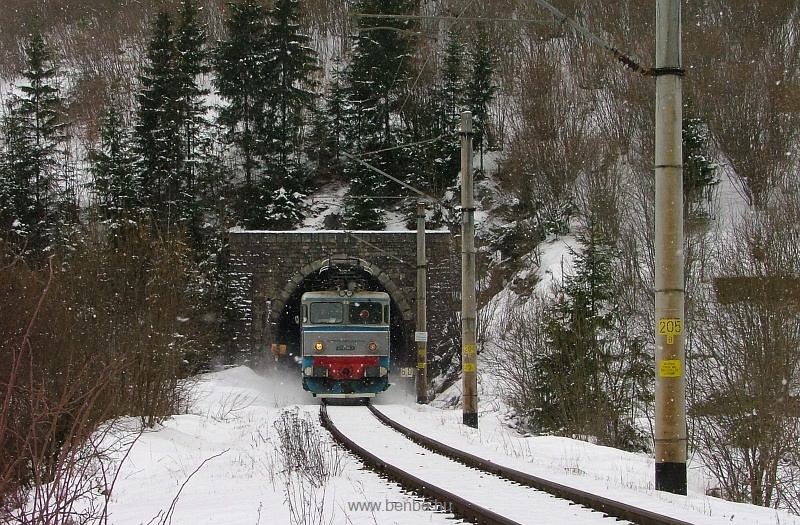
(467, 484)
(608, 507)
(472, 488)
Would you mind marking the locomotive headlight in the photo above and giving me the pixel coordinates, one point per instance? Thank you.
(318, 346)
(373, 346)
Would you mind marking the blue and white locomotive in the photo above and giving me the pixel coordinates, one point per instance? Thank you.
(345, 343)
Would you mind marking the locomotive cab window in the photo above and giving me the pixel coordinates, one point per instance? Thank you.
(326, 313)
(366, 313)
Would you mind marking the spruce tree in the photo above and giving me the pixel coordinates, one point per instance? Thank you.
(239, 64)
(433, 115)
(290, 99)
(422, 157)
(699, 172)
(335, 112)
(19, 208)
(40, 107)
(35, 149)
(570, 384)
(158, 127)
(454, 76)
(327, 133)
(594, 375)
(378, 78)
(481, 89)
(449, 99)
(192, 64)
(380, 68)
(201, 173)
(291, 65)
(116, 183)
(364, 206)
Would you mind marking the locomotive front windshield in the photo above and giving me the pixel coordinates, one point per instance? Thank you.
(326, 313)
(358, 312)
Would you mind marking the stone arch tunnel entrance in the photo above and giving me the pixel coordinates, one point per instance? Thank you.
(271, 270)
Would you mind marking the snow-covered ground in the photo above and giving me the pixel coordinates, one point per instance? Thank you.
(220, 463)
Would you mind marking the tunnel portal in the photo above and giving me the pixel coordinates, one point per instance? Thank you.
(271, 271)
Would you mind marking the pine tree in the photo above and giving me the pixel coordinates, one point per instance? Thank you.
(158, 128)
(35, 149)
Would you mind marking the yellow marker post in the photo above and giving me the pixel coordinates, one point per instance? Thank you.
(670, 393)
(469, 375)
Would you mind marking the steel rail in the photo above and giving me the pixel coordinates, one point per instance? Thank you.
(609, 507)
(458, 505)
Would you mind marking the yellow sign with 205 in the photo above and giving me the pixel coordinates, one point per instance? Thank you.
(670, 327)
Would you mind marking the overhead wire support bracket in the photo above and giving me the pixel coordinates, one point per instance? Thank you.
(390, 177)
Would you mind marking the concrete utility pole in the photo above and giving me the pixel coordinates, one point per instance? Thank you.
(469, 357)
(670, 424)
(421, 335)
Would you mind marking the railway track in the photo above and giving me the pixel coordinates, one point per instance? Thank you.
(467, 484)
